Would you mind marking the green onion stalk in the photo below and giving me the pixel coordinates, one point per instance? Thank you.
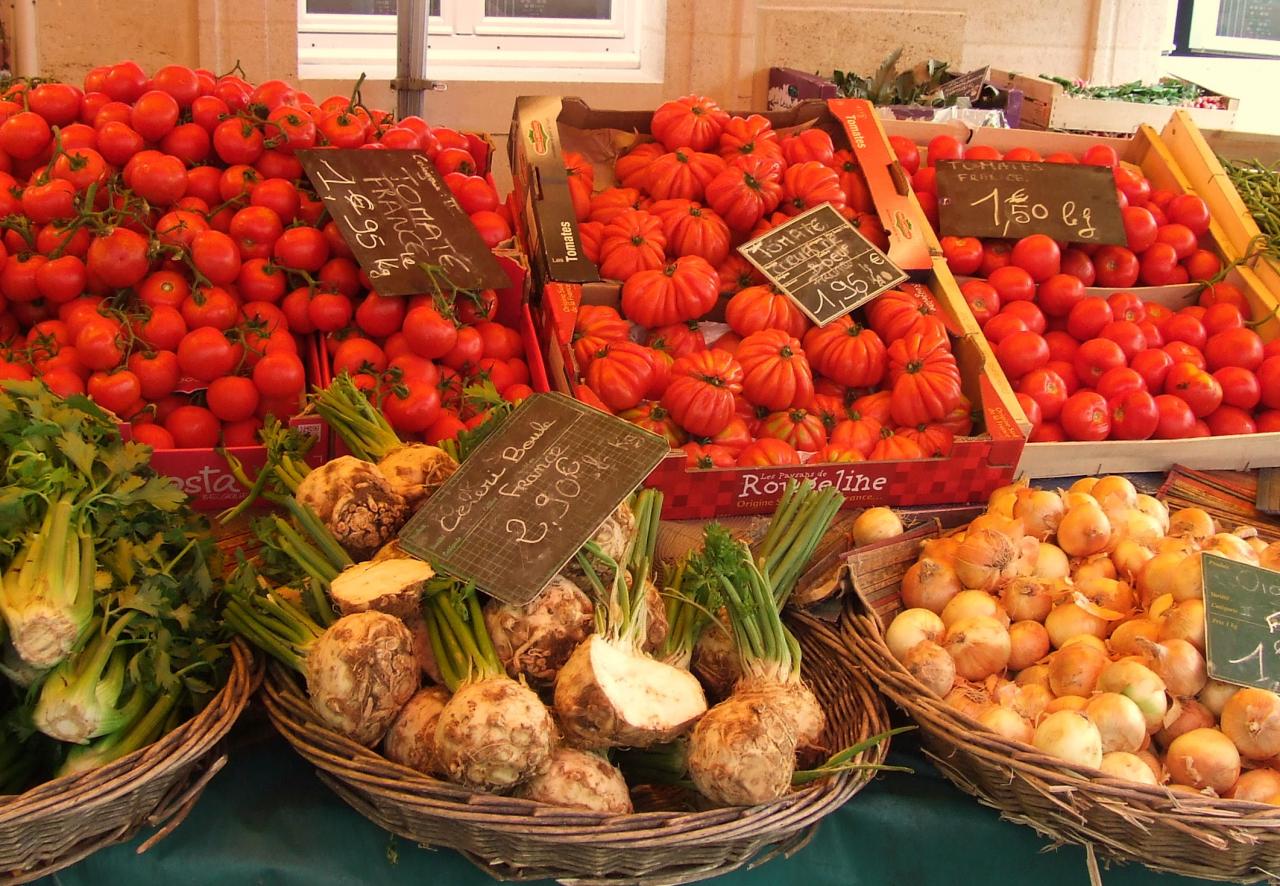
(691, 604)
(270, 620)
(284, 469)
(364, 430)
(494, 733)
(46, 594)
(799, 523)
(81, 698)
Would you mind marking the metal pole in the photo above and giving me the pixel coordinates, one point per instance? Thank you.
(411, 58)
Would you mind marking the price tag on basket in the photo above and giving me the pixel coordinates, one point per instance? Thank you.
(1070, 202)
(397, 215)
(822, 263)
(531, 495)
(1242, 622)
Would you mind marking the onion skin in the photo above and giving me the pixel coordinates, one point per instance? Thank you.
(1179, 664)
(1215, 696)
(1154, 764)
(1194, 524)
(1203, 758)
(1028, 643)
(1036, 675)
(1084, 530)
(876, 524)
(1095, 566)
(910, 627)
(979, 647)
(929, 583)
(1186, 582)
(1155, 509)
(1128, 767)
(1141, 685)
(1119, 722)
(973, 604)
(932, 666)
(1185, 715)
(1030, 701)
(1125, 639)
(1069, 620)
(1270, 557)
(1157, 575)
(1066, 703)
(1007, 723)
(1070, 736)
(1075, 670)
(1039, 510)
(1231, 546)
(1052, 562)
(1257, 786)
(983, 557)
(1185, 621)
(1114, 492)
(1027, 599)
(1251, 719)
(967, 700)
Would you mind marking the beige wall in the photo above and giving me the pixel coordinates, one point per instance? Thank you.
(719, 47)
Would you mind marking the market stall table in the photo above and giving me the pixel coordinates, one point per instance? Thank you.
(267, 819)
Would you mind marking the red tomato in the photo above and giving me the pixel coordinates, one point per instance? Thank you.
(1030, 408)
(1151, 333)
(1133, 184)
(1268, 422)
(430, 334)
(379, 315)
(1038, 255)
(1077, 263)
(1221, 316)
(1180, 237)
(1183, 327)
(1139, 228)
(232, 398)
(1118, 381)
(206, 354)
(1094, 358)
(1240, 387)
(1127, 306)
(1061, 345)
(943, 147)
(1085, 416)
(1022, 352)
(1225, 293)
(153, 435)
(1088, 317)
(1047, 389)
(1202, 264)
(1191, 211)
(212, 306)
(192, 427)
(118, 258)
(1001, 326)
(1134, 416)
(1153, 365)
(356, 355)
(279, 375)
(1200, 389)
(1176, 419)
(1116, 267)
(907, 153)
(1028, 313)
(157, 373)
(982, 298)
(1269, 380)
(1100, 155)
(995, 254)
(1157, 265)
(241, 433)
(329, 311)
(1127, 335)
(302, 248)
(1012, 283)
(115, 391)
(1227, 420)
(963, 254)
(1060, 293)
(98, 344)
(415, 412)
(1181, 352)
(492, 228)
(1233, 347)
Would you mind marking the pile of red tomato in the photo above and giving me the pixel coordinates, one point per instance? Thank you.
(163, 251)
(765, 387)
(1122, 367)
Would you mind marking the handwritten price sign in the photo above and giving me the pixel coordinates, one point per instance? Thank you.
(1068, 202)
(531, 494)
(1242, 622)
(397, 215)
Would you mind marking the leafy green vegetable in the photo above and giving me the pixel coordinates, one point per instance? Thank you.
(1167, 91)
(921, 85)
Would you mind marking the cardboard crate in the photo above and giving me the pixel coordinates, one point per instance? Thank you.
(203, 474)
(1046, 105)
(1199, 163)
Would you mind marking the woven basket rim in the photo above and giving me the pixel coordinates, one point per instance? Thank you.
(290, 712)
(190, 740)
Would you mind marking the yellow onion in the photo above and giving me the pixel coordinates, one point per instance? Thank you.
(1257, 786)
(1051, 562)
(1203, 758)
(929, 583)
(1029, 701)
(1155, 509)
(876, 524)
(1154, 764)
(1070, 736)
(983, 557)
(1119, 722)
(972, 604)
(1070, 619)
(931, 665)
(1133, 524)
(1009, 526)
(1194, 524)
(1270, 557)
(1129, 557)
(1141, 685)
(1066, 703)
(1028, 643)
(943, 549)
(1251, 719)
(978, 646)
(1176, 544)
(967, 700)
(1215, 695)
(1075, 670)
(1185, 621)
(1158, 575)
(1039, 510)
(1071, 499)
(1114, 492)
(1084, 486)
(1160, 607)
(1002, 500)
(1097, 566)
(1231, 546)
(1124, 640)
(1027, 598)
(1036, 675)
(912, 626)
(1088, 640)
(1184, 715)
(1007, 723)
(1127, 766)
(1084, 530)
(1259, 546)
(1107, 593)
(1179, 664)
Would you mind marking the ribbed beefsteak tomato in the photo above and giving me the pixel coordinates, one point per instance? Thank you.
(682, 174)
(900, 312)
(692, 121)
(924, 379)
(632, 242)
(597, 326)
(745, 192)
(700, 396)
(620, 374)
(760, 307)
(799, 427)
(655, 419)
(768, 452)
(683, 290)
(810, 184)
(581, 182)
(846, 352)
(776, 374)
(693, 229)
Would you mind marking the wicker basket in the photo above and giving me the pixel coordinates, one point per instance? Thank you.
(1119, 820)
(60, 822)
(514, 839)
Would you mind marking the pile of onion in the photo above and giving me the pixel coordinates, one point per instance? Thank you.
(1073, 621)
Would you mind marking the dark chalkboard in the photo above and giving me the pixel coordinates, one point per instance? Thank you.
(1242, 622)
(396, 214)
(822, 263)
(531, 494)
(1070, 202)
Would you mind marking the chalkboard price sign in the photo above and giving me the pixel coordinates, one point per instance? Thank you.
(397, 215)
(822, 263)
(1071, 202)
(531, 495)
(1242, 622)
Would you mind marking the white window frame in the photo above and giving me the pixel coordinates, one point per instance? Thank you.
(1204, 34)
(464, 44)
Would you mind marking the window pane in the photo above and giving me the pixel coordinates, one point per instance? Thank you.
(1252, 19)
(579, 9)
(362, 7)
